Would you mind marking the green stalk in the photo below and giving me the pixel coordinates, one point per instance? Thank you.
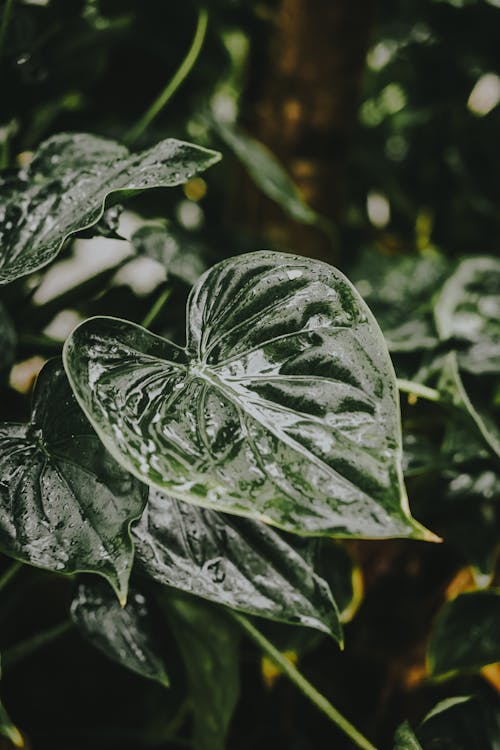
(301, 683)
(408, 386)
(6, 16)
(24, 649)
(183, 70)
(157, 308)
(11, 571)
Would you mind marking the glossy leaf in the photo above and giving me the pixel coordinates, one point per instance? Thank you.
(129, 635)
(181, 256)
(7, 339)
(283, 406)
(234, 561)
(461, 723)
(65, 504)
(466, 634)
(268, 174)
(468, 311)
(405, 739)
(68, 185)
(209, 646)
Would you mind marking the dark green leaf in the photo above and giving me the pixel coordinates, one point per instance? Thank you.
(181, 256)
(209, 646)
(333, 563)
(129, 635)
(268, 174)
(404, 739)
(233, 561)
(65, 504)
(66, 188)
(468, 311)
(461, 723)
(398, 291)
(470, 394)
(466, 634)
(7, 339)
(283, 406)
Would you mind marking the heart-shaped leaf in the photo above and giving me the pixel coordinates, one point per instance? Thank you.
(209, 646)
(66, 188)
(65, 504)
(283, 406)
(466, 634)
(233, 561)
(129, 635)
(7, 339)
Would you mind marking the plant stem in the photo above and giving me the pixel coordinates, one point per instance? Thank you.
(21, 650)
(300, 681)
(6, 16)
(183, 70)
(409, 386)
(156, 308)
(11, 571)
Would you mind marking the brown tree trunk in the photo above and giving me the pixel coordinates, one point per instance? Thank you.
(302, 103)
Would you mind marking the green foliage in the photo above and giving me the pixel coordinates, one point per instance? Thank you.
(466, 633)
(67, 186)
(292, 400)
(66, 504)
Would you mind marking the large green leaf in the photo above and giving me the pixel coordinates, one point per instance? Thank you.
(405, 739)
(233, 561)
(209, 645)
(129, 635)
(283, 406)
(466, 634)
(65, 504)
(67, 186)
(468, 311)
(461, 723)
(7, 339)
(269, 174)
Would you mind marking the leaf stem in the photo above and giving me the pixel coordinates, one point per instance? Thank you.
(301, 683)
(157, 307)
(417, 389)
(6, 16)
(11, 571)
(182, 71)
(24, 649)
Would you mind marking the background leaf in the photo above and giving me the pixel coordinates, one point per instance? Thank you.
(65, 504)
(129, 635)
(282, 407)
(466, 634)
(209, 645)
(404, 739)
(181, 256)
(233, 561)
(7, 339)
(67, 185)
(461, 723)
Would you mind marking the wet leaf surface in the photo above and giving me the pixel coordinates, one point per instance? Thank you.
(466, 634)
(65, 504)
(234, 561)
(405, 739)
(283, 406)
(129, 635)
(68, 185)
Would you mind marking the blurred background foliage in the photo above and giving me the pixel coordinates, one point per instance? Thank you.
(385, 117)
